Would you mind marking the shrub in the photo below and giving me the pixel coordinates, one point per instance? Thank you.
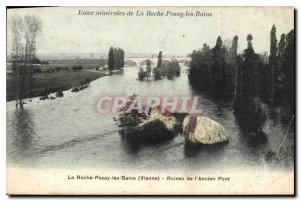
(157, 73)
(128, 121)
(76, 68)
(87, 80)
(142, 74)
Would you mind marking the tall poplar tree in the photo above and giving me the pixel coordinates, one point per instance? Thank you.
(272, 63)
(278, 71)
(234, 48)
(218, 69)
(248, 104)
(111, 59)
(159, 59)
(289, 71)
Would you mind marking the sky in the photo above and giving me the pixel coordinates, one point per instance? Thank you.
(64, 31)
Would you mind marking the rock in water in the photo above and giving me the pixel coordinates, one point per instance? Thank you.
(157, 128)
(203, 130)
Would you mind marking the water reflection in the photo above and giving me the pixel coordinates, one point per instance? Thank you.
(23, 138)
(193, 150)
(130, 145)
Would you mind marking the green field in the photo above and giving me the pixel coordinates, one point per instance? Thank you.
(87, 64)
(62, 80)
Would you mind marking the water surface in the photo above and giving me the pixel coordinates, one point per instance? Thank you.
(68, 132)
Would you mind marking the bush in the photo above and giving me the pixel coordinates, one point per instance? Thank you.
(76, 68)
(87, 80)
(157, 73)
(142, 74)
(173, 69)
(128, 122)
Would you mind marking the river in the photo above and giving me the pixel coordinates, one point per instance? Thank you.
(68, 132)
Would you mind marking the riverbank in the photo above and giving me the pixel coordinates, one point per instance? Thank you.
(51, 82)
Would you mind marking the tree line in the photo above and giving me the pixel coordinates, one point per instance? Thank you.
(252, 78)
(116, 57)
(25, 31)
(169, 69)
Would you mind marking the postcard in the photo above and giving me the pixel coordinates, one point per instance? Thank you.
(150, 101)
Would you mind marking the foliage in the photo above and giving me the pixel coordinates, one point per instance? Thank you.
(166, 68)
(25, 31)
(288, 65)
(148, 68)
(128, 121)
(142, 74)
(214, 67)
(157, 73)
(76, 68)
(247, 103)
(116, 57)
(252, 78)
(159, 59)
(173, 69)
(111, 59)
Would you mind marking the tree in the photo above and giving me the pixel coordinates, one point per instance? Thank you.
(148, 68)
(25, 32)
(158, 70)
(170, 72)
(111, 59)
(128, 121)
(122, 58)
(142, 74)
(218, 69)
(116, 57)
(234, 60)
(157, 73)
(159, 59)
(173, 69)
(200, 68)
(279, 71)
(247, 104)
(272, 63)
(289, 72)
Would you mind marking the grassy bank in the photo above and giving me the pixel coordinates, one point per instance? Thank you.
(52, 82)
